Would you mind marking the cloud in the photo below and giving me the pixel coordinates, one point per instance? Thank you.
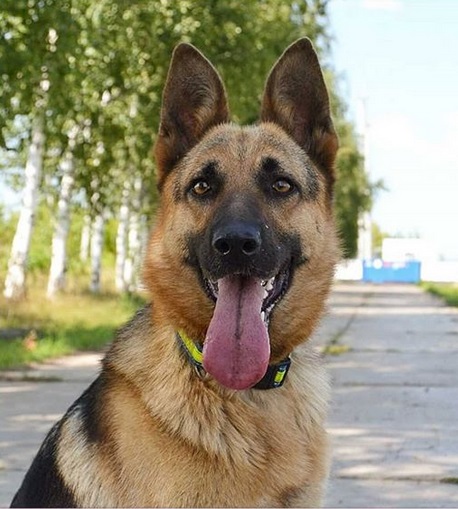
(394, 131)
(382, 5)
(419, 167)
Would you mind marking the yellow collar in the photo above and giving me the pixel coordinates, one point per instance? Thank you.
(275, 375)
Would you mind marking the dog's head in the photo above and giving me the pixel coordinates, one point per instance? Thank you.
(244, 250)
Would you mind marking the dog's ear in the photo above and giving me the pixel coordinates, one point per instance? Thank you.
(296, 98)
(194, 100)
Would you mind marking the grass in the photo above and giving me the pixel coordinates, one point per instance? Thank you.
(72, 322)
(447, 291)
(450, 480)
(334, 349)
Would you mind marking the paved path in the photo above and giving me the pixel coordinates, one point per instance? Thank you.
(394, 419)
(30, 402)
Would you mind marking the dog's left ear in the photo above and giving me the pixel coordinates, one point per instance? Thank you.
(296, 98)
(194, 100)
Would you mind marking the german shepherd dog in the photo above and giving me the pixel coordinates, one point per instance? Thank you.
(193, 406)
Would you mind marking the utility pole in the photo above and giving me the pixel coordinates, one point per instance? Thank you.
(365, 220)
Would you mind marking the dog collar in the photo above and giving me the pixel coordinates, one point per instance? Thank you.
(275, 375)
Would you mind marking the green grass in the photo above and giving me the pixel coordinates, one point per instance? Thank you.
(336, 349)
(72, 322)
(450, 480)
(447, 291)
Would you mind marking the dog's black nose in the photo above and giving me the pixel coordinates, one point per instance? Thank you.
(237, 239)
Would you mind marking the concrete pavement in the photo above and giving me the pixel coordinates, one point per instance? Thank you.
(394, 418)
(31, 401)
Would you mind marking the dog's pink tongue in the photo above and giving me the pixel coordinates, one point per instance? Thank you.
(237, 349)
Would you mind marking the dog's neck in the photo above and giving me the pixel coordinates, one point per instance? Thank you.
(275, 375)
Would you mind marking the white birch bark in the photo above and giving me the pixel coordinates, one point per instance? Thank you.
(85, 238)
(131, 266)
(121, 239)
(97, 233)
(56, 281)
(15, 283)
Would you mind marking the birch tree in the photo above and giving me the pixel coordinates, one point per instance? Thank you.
(97, 231)
(15, 283)
(105, 65)
(85, 238)
(134, 254)
(31, 67)
(58, 267)
(122, 239)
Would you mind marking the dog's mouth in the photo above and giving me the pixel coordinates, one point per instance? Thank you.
(274, 290)
(237, 346)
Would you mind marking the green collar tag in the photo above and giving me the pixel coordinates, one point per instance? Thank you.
(275, 375)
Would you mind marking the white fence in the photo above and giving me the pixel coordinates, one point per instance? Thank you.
(435, 271)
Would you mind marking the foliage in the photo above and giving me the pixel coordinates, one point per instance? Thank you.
(377, 239)
(354, 192)
(100, 67)
(95, 71)
(40, 251)
(446, 291)
(7, 228)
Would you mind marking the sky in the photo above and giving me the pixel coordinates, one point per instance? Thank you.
(401, 58)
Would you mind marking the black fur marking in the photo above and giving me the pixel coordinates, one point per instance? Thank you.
(293, 241)
(279, 250)
(43, 485)
(270, 165)
(89, 411)
(313, 187)
(271, 169)
(229, 214)
(269, 174)
(209, 172)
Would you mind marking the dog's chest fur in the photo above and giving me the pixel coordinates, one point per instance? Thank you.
(195, 448)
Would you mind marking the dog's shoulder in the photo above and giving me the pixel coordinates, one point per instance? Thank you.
(44, 484)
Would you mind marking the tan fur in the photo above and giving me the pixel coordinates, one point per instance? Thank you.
(85, 468)
(173, 440)
(169, 438)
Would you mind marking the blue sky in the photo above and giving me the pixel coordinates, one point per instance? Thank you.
(402, 56)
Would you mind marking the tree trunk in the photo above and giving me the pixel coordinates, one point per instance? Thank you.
(58, 268)
(97, 232)
(121, 239)
(132, 262)
(85, 238)
(15, 283)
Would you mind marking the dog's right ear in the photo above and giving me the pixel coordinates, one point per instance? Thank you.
(194, 100)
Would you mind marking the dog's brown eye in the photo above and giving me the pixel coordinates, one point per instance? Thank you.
(282, 186)
(201, 187)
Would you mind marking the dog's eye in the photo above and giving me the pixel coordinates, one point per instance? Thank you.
(282, 186)
(201, 187)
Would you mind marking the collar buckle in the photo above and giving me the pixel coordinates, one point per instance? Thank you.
(275, 375)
